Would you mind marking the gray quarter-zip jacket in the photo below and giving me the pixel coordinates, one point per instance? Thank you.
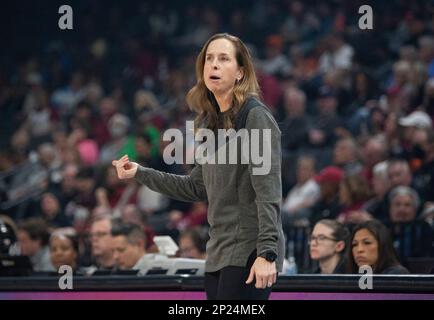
(243, 208)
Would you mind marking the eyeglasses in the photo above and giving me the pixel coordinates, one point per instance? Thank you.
(98, 234)
(320, 239)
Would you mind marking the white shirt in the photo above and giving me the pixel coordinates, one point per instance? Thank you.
(340, 59)
(300, 193)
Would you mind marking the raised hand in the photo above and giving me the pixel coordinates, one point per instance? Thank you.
(124, 168)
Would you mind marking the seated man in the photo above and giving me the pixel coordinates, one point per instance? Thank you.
(129, 247)
(102, 243)
(404, 203)
(411, 235)
(33, 236)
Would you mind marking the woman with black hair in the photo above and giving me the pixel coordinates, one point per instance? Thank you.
(64, 249)
(372, 245)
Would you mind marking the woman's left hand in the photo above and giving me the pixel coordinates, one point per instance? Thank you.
(264, 272)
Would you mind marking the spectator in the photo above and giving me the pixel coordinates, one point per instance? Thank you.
(354, 192)
(322, 132)
(381, 186)
(143, 146)
(328, 244)
(276, 61)
(106, 109)
(67, 188)
(374, 150)
(371, 245)
(338, 55)
(327, 206)
(64, 249)
(121, 143)
(412, 125)
(426, 53)
(303, 195)
(392, 134)
(39, 116)
(400, 89)
(296, 122)
(65, 99)
(196, 216)
(192, 243)
(129, 247)
(49, 162)
(131, 214)
(87, 148)
(85, 186)
(423, 178)
(428, 99)
(52, 211)
(33, 239)
(399, 173)
(404, 204)
(345, 156)
(115, 194)
(101, 242)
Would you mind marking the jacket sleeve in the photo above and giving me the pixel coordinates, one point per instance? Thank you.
(187, 188)
(266, 178)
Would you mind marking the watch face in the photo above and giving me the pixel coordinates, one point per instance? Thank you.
(270, 256)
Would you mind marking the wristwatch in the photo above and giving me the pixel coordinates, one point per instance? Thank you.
(270, 256)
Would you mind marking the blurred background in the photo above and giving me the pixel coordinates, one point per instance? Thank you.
(355, 109)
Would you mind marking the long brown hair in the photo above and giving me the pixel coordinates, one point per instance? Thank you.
(357, 187)
(203, 102)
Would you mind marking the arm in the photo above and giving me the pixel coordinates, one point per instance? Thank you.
(266, 183)
(180, 187)
(268, 189)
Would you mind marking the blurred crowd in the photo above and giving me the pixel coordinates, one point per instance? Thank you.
(355, 108)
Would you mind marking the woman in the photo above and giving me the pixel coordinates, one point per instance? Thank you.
(64, 249)
(354, 192)
(302, 196)
(52, 211)
(328, 245)
(371, 245)
(246, 245)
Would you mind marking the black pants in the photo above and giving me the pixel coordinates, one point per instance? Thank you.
(229, 283)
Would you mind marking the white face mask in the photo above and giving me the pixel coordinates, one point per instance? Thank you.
(117, 131)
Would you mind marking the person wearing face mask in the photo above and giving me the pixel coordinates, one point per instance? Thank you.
(120, 142)
(246, 246)
(371, 245)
